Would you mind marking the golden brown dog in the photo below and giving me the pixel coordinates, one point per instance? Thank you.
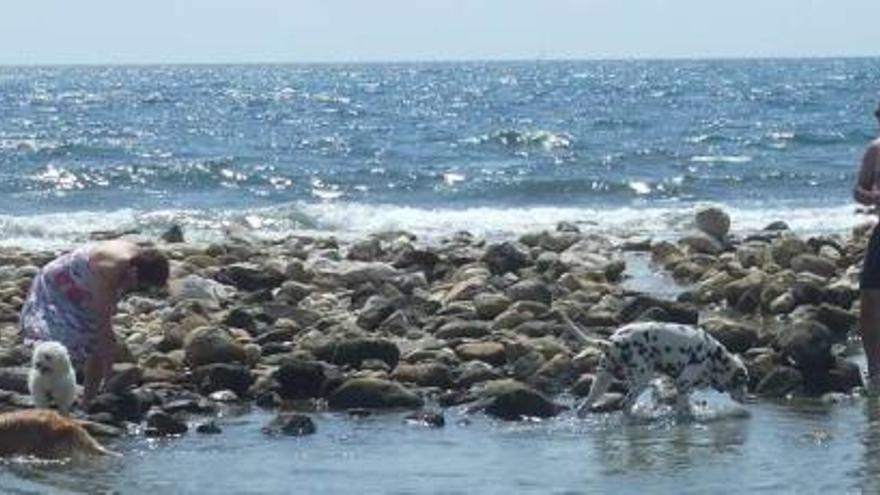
(46, 434)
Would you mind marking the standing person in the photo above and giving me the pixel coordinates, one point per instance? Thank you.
(72, 300)
(867, 192)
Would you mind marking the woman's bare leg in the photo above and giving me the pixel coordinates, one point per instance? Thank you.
(869, 328)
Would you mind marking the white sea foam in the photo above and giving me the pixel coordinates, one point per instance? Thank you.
(354, 220)
(721, 159)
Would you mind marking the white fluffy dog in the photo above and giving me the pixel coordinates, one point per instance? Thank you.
(51, 380)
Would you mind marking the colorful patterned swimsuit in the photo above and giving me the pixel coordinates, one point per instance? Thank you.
(57, 306)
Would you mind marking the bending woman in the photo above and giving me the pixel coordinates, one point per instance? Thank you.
(73, 299)
(867, 192)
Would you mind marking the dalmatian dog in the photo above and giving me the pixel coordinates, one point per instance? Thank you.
(687, 355)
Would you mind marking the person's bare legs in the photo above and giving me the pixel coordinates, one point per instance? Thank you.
(869, 328)
(93, 373)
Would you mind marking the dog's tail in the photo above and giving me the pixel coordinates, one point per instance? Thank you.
(84, 442)
(580, 335)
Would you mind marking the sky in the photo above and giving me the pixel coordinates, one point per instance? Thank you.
(242, 31)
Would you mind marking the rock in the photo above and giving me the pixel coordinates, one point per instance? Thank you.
(583, 384)
(512, 400)
(753, 254)
(489, 306)
(372, 393)
(292, 292)
(713, 221)
(465, 290)
(424, 374)
(473, 372)
(207, 345)
(427, 418)
(227, 396)
(699, 242)
(839, 321)
(808, 344)
(506, 257)
(355, 351)
(783, 304)
(290, 424)
(124, 376)
(609, 402)
(210, 293)
(751, 283)
(813, 264)
(666, 254)
(174, 235)
(376, 310)
(781, 381)
(122, 407)
(299, 379)
(489, 352)
(365, 250)
(736, 337)
(223, 376)
(844, 376)
(160, 424)
(14, 379)
(786, 248)
(208, 428)
(250, 277)
(530, 290)
(776, 226)
(456, 329)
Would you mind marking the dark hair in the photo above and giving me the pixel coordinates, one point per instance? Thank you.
(152, 268)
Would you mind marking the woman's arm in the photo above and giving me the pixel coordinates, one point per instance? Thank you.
(864, 191)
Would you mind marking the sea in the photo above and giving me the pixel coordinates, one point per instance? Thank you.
(620, 148)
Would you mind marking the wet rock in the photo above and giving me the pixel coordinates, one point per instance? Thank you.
(126, 406)
(474, 372)
(781, 381)
(839, 321)
(299, 379)
(808, 345)
(372, 393)
(713, 221)
(699, 242)
(207, 345)
(192, 404)
(506, 257)
(355, 351)
(250, 277)
(424, 374)
(609, 402)
(292, 292)
(174, 235)
(160, 424)
(223, 376)
(208, 428)
(290, 424)
(735, 336)
(777, 226)
(123, 377)
(376, 310)
(489, 352)
(227, 396)
(844, 376)
(431, 419)
(512, 400)
(666, 254)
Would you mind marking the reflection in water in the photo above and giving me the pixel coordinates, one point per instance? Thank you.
(661, 442)
(869, 472)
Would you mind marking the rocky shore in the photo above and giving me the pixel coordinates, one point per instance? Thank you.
(308, 324)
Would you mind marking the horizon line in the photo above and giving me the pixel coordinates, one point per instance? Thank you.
(413, 61)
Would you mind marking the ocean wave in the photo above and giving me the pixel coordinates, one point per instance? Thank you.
(521, 138)
(349, 221)
(721, 159)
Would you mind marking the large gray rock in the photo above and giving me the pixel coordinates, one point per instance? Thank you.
(814, 264)
(290, 424)
(250, 277)
(808, 344)
(354, 352)
(206, 345)
(700, 242)
(372, 393)
(512, 400)
(781, 381)
(223, 376)
(424, 374)
(489, 306)
(463, 328)
(300, 379)
(713, 221)
(488, 352)
(530, 290)
(506, 257)
(736, 337)
(786, 248)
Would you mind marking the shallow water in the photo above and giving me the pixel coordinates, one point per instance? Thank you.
(807, 447)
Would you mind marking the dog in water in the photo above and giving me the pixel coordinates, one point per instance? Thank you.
(687, 355)
(45, 434)
(51, 380)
